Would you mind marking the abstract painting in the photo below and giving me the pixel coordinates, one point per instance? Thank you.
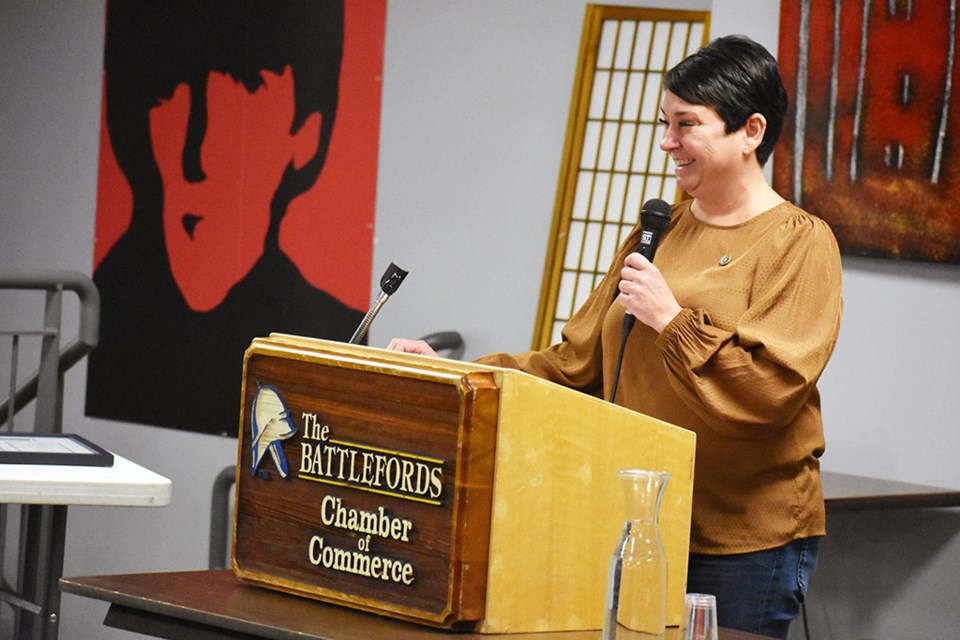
(870, 142)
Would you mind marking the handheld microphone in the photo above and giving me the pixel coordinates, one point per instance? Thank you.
(389, 282)
(654, 220)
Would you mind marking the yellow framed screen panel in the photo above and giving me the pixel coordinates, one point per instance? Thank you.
(612, 162)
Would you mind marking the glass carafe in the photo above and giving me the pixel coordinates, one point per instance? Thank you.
(636, 605)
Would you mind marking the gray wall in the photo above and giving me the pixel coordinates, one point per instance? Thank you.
(474, 114)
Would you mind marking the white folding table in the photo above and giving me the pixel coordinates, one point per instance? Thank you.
(46, 491)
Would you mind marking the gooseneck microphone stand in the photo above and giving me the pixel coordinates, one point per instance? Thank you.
(389, 283)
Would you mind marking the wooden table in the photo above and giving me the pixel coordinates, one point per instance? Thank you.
(214, 605)
(845, 492)
(46, 491)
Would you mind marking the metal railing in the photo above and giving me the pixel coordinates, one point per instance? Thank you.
(46, 385)
(35, 597)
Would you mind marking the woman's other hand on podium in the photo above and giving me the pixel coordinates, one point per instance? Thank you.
(404, 345)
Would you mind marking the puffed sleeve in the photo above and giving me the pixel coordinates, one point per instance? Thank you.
(760, 374)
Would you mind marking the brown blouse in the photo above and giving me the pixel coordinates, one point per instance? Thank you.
(739, 366)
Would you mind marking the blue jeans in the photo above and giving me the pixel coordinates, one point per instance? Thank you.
(758, 592)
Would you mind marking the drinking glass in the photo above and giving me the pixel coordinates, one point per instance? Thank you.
(699, 617)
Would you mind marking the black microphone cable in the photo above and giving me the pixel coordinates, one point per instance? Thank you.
(628, 321)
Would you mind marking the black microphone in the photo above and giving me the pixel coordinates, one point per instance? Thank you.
(654, 220)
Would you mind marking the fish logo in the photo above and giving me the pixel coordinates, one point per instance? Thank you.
(270, 425)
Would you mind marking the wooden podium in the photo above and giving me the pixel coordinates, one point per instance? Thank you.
(447, 493)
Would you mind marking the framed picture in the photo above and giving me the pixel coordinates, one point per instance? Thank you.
(55, 449)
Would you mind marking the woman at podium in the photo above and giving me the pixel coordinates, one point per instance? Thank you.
(734, 325)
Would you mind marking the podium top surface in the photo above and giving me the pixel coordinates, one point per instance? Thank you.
(412, 365)
(368, 355)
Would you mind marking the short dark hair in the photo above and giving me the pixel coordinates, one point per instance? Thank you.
(736, 77)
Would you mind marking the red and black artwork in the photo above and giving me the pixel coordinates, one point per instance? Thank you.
(871, 141)
(236, 194)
